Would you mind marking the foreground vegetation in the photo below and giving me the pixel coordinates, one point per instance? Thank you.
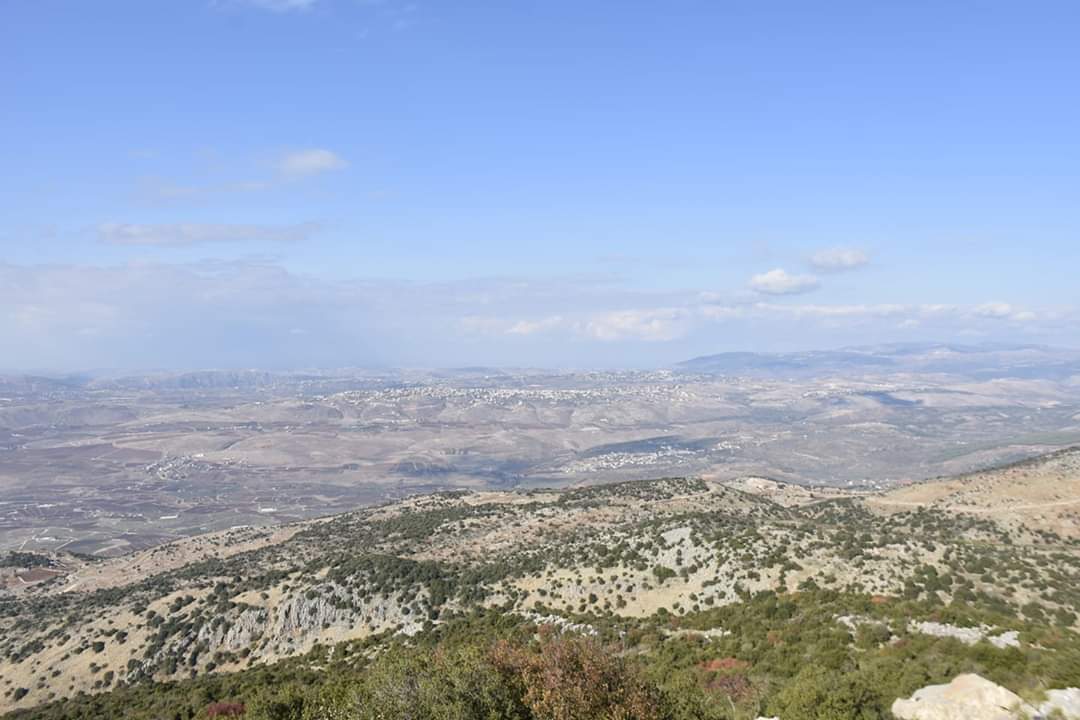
(783, 655)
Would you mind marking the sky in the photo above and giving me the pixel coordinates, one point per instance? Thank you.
(337, 183)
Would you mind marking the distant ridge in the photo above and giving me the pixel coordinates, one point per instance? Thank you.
(749, 362)
(977, 361)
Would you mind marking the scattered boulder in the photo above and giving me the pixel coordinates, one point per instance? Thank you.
(1065, 702)
(562, 624)
(1005, 640)
(965, 698)
(967, 635)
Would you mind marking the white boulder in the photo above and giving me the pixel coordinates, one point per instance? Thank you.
(967, 697)
(1066, 702)
(967, 635)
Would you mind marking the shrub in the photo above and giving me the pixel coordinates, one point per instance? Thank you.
(818, 694)
(572, 678)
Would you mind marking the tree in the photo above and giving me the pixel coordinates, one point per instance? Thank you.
(285, 703)
(819, 694)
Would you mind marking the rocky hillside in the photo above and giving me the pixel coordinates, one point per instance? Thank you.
(673, 556)
(1036, 495)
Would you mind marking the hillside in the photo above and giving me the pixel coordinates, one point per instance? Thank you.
(1042, 494)
(670, 565)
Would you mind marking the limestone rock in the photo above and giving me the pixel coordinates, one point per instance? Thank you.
(1066, 702)
(967, 635)
(965, 698)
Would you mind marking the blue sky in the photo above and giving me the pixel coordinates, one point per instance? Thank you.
(285, 183)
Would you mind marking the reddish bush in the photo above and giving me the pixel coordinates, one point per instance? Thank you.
(224, 710)
(727, 663)
(571, 678)
(737, 686)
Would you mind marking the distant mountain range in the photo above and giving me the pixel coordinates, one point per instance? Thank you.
(976, 361)
(982, 361)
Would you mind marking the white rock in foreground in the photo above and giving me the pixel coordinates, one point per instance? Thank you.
(1066, 702)
(967, 697)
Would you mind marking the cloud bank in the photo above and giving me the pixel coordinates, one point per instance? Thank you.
(250, 314)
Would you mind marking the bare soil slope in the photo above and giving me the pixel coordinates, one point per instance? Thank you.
(1038, 494)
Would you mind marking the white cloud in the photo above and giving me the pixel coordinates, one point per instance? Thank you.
(694, 315)
(186, 234)
(653, 325)
(838, 259)
(836, 311)
(781, 282)
(907, 315)
(248, 313)
(994, 310)
(1003, 311)
(313, 161)
(241, 176)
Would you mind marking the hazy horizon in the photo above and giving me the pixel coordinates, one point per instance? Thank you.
(102, 372)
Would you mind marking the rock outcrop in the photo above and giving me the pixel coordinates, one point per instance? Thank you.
(965, 698)
(1065, 702)
(967, 635)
